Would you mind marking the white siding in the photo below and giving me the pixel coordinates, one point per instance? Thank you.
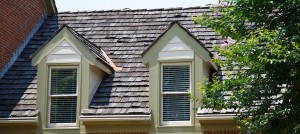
(206, 70)
(96, 76)
(64, 53)
(176, 49)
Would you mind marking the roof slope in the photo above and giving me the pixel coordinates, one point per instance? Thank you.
(96, 50)
(123, 35)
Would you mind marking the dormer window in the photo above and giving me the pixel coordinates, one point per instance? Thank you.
(175, 98)
(70, 69)
(176, 60)
(63, 96)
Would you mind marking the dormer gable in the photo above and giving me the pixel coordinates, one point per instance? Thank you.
(176, 49)
(67, 46)
(177, 43)
(64, 52)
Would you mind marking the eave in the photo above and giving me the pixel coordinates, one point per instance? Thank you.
(19, 120)
(215, 118)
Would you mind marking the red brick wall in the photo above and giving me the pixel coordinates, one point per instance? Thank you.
(17, 19)
(121, 133)
(223, 132)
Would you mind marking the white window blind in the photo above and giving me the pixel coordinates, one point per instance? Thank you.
(175, 86)
(63, 95)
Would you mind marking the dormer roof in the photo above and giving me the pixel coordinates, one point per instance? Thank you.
(182, 27)
(63, 31)
(175, 33)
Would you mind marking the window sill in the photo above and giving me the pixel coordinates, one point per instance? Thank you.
(176, 123)
(176, 126)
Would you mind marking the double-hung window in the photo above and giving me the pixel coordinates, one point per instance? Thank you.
(176, 106)
(63, 96)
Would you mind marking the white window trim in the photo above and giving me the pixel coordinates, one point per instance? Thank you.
(174, 123)
(52, 125)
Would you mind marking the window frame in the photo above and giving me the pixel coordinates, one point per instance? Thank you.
(162, 93)
(53, 125)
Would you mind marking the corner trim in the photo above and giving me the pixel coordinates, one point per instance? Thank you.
(22, 46)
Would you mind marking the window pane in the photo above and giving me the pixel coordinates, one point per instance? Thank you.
(176, 78)
(176, 107)
(63, 110)
(63, 81)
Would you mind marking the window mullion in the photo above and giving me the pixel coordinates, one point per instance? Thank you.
(175, 93)
(65, 95)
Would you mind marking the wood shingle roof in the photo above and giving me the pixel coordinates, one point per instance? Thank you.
(123, 35)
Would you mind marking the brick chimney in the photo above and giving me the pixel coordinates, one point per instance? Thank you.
(19, 20)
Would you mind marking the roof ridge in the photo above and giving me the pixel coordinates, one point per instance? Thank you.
(141, 9)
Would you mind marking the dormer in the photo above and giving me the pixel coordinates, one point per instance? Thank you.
(177, 61)
(70, 69)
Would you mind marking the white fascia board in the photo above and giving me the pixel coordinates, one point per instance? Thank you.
(19, 120)
(146, 118)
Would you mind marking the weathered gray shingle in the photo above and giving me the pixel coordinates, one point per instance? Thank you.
(96, 50)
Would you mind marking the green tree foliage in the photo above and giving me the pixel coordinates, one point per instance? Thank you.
(261, 66)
